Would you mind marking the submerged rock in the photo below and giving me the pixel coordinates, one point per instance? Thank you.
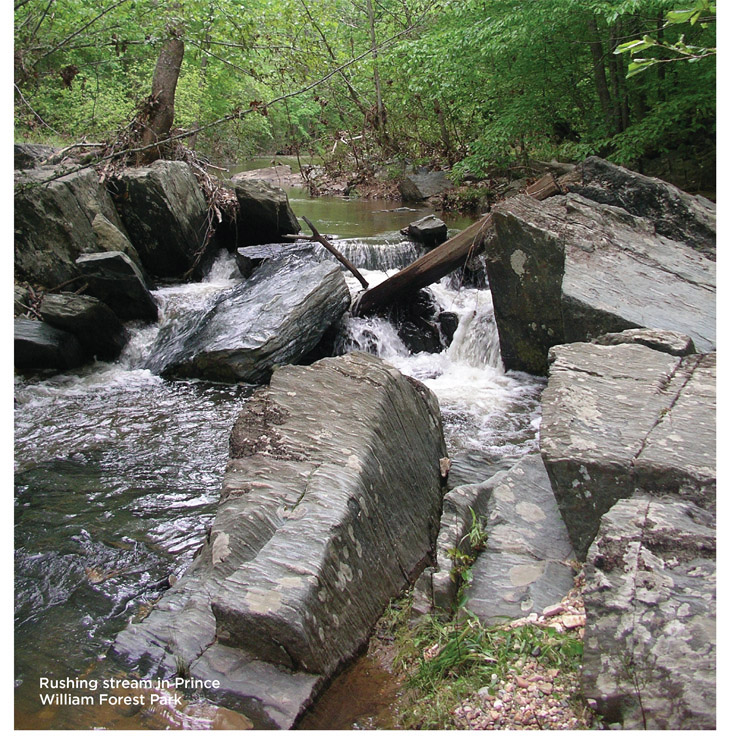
(41, 346)
(165, 215)
(649, 651)
(569, 269)
(276, 317)
(429, 231)
(622, 419)
(97, 328)
(329, 507)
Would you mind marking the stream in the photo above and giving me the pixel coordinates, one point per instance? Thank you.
(117, 471)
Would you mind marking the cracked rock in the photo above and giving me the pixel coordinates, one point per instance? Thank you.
(622, 419)
(649, 652)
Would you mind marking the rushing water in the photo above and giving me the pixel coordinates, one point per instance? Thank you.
(117, 470)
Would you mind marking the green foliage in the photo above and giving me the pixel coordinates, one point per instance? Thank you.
(679, 50)
(475, 85)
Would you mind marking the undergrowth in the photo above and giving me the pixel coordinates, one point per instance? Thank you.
(443, 661)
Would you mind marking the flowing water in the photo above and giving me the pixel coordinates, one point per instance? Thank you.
(117, 471)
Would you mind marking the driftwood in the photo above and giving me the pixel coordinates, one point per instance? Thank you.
(445, 258)
(544, 187)
(316, 236)
(424, 271)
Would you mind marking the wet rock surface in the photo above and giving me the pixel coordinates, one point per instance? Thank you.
(570, 268)
(38, 345)
(275, 317)
(97, 328)
(165, 214)
(649, 657)
(329, 508)
(429, 231)
(249, 258)
(115, 280)
(626, 418)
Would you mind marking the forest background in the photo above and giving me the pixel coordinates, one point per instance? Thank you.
(476, 87)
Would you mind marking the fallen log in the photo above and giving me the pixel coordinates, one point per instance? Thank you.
(424, 271)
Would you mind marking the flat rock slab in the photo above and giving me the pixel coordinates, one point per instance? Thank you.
(526, 565)
(625, 418)
(649, 651)
(275, 317)
(570, 269)
(249, 258)
(329, 507)
(675, 214)
(422, 185)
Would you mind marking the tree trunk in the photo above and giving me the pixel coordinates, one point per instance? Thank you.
(446, 141)
(380, 111)
(598, 65)
(165, 79)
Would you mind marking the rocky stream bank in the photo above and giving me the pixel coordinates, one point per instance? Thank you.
(338, 494)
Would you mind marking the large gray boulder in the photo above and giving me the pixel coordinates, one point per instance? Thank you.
(165, 214)
(275, 317)
(97, 328)
(676, 214)
(115, 280)
(423, 184)
(264, 214)
(649, 644)
(569, 269)
(111, 238)
(53, 223)
(41, 346)
(329, 507)
(626, 418)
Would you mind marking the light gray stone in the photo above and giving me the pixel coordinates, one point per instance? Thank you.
(569, 269)
(649, 650)
(671, 342)
(527, 562)
(111, 238)
(422, 185)
(676, 214)
(275, 317)
(626, 418)
(249, 258)
(329, 508)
